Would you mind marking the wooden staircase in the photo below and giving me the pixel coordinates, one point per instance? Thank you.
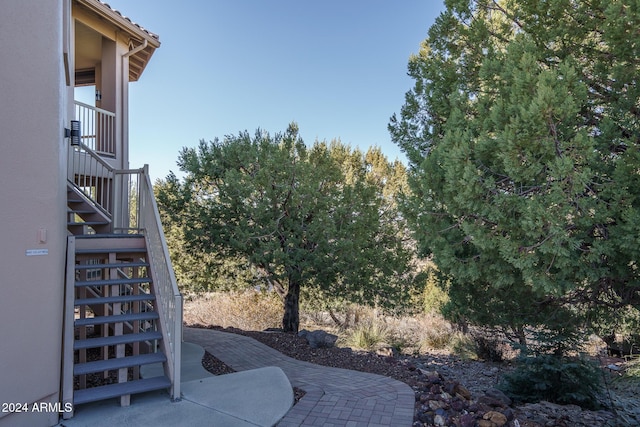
(116, 325)
(83, 215)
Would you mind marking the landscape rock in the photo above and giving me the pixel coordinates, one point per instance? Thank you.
(436, 404)
(497, 418)
(439, 420)
(387, 352)
(499, 395)
(318, 338)
(491, 402)
(547, 413)
(467, 420)
(462, 391)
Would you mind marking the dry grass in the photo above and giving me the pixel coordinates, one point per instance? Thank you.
(249, 310)
(367, 329)
(408, 334)
(435, 333)
(368, 336)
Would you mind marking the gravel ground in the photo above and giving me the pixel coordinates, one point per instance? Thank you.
(477, 376)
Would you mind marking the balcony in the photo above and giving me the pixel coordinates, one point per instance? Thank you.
(98, 129)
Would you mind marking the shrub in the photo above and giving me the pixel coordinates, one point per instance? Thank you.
(633, 369)
(463, 345)
(434, 297)
(404, 333)
(368, 335)
(620, 331)
(436, 333)
(553, 378)
(489, 348)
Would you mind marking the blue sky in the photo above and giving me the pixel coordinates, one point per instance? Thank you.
(336, 67)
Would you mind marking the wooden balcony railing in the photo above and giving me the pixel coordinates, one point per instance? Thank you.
(98, 128)
(92, 175)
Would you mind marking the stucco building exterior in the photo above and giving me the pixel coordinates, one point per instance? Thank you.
(83, 254)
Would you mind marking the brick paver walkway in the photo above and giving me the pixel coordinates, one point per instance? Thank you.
(334, 397)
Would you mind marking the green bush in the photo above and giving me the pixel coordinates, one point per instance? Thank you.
(463, 345)
(633, 369)
(434, 297)
(553, 378)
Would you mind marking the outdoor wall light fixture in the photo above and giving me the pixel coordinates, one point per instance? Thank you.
(74, 132)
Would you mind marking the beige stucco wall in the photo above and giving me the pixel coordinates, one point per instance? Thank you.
(33, 114)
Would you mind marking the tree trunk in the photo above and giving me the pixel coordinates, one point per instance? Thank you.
(522, 336)
(335, 319)
(291, 319)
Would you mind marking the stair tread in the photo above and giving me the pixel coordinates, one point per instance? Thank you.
(121, 389)
(118, 318)
(115, 299)
(111, 282)
(111, 265)
(88, 223)
(111, 236)
(114, 340)
(122, 362)
(111, 250)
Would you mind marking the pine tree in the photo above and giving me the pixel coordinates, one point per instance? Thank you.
(522, 132)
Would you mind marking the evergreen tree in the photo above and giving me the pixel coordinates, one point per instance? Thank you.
(197, 271)
(522, 132)
(299, 216)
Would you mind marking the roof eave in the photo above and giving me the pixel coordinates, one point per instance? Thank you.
(117, 19)
(139, 60)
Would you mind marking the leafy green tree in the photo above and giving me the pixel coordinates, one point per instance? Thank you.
(298, 215)
(522, 133)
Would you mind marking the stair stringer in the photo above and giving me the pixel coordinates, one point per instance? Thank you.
(91, 213)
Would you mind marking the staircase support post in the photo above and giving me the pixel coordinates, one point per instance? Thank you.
(177, 356)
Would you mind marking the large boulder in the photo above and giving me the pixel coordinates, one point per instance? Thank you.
(318, 338)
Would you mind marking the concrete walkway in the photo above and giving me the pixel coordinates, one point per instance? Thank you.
(255, 398)
(334, 397)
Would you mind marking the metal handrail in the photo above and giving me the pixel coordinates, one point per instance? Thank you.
(168, 296)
